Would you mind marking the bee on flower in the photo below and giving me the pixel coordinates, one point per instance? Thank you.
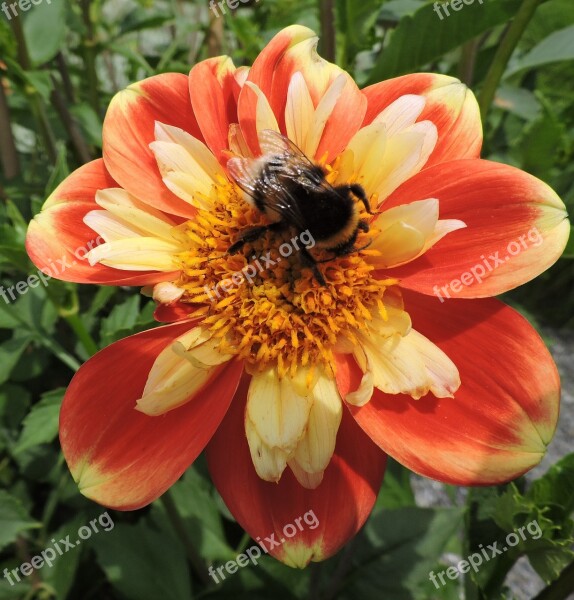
(298, 384)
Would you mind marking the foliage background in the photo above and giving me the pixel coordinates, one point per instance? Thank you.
(59, 66)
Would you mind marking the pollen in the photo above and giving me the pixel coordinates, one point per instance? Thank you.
(263, 303)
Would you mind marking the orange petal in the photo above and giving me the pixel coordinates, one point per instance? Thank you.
(500, 420)
(120, 457)
(307, 524)
(58, 240)
(129, 129)
(293, 51)
(450, 105)
(516, 228)
(214, 90)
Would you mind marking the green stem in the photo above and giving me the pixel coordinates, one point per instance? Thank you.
(36, 103)
(561, 588)
(90, 54)
(83, 335)
(328, 32)
(503, 54)
(180, 528)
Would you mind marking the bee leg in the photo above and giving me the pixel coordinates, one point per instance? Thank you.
(359, 191)
(363, 226)
(308, 260)
(252, 235)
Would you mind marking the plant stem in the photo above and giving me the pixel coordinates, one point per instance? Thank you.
(506, 48)
(34, 98)
(90, 56)
(179, 526)
(561, 588)
(83, 335)
(72, 128)
(328, 32)
(8, 154)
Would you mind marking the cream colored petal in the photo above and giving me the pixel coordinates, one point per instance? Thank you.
(364, 392)
(265, 118)
(109, 227)
(444, 378)
(299, 112)
(119, 204)
(166, 292)
(407, 365)
(421, 215)
(316, 448)
(398, 244)
(363, 156)
(408, 231)
(279, 408)
(111, 197)
(405, 155)
(323, 112)
(137, 254)
(310, 481)
(179, 372)
(401, 114)
(201, 154)
(269, 462)
(174, 161)
(442, 229)
(237, 143)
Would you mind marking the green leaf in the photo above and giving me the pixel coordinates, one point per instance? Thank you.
(89, 122)
(424, 37)
(62, 573)
(356, 20)
(41, 423)
(556, 47)
(202, 518)
(44, 30)
(556, 486)
(569, 250)
(10, 353)
(403, 546)
(143, 564)
(396, 491)
(14, 519)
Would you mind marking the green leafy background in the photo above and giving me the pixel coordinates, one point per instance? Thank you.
(59, 66)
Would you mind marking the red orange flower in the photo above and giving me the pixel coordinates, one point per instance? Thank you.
(297, 390)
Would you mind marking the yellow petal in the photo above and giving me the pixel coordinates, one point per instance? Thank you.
(137, 254)
(316, 448)
(279, 408)
(401, 114)
(409, 364)
(299, 112)
(180, 371)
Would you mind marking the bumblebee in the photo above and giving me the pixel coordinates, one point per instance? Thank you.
(293, 192)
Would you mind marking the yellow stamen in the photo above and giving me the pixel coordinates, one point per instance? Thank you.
(272, 316)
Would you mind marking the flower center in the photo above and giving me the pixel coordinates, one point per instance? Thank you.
(264, 303)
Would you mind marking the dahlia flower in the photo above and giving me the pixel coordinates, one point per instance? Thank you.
(298, 391)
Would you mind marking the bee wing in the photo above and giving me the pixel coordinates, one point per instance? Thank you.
(247, 173)
(295, 163)
(274, 143)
